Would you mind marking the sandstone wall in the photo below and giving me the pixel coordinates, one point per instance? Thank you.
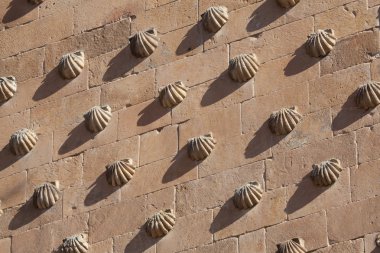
(344, 217)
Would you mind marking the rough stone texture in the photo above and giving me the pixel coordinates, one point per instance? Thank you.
(363, 181)
(5, 245)
(223, 246)
(366, 139)
(13, 190)
(253, 242)
(356, 246)
(370, 243)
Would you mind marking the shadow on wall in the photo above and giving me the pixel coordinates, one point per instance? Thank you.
(221, 88)
(121, 64)
(77, 137)
(349, 114)
(264, 15)
(7, 158)
(17, 9)
(300, 62)
(181, 165)
(306, 192)
(193, 39)
(25, 215)
(52, 83)
(227, 215)
(100, 190)
(151, 113)
(141, 242)
(263, 140)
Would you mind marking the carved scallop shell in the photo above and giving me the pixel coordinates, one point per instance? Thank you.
(144, 43)
(321, 43)
(23, 141)
(201, 147)
(377, 241)
(243, 67)
(288, 3)
(72, 64)
(326, 173)
(120, 172)
(368, 95)
(248, 195)
(173, 94)
(75, 244)
(284, 121)
(295, 245)
(160, 223)
(98, 117)
(214, 18)
(8, 88)
(46, 195)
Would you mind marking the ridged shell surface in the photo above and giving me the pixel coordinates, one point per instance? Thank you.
(201, 147)
(120, 172)
(46, 195)
(75, 244)
(284, 121)
(368, 95)
(8, 88)
(160, 223)
(326, 173)
(296, 245)
(214, 18)
(97, 118)
(23, 141)
(72, 64)
(321, 43)
(248, 196)
(377, 241)
(288, 3)
(173, 94)
(243, 67)
(144, 43)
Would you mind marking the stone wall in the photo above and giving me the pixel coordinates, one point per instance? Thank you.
(343, 217)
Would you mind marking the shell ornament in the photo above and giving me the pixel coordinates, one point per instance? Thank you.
(284, 121)
(321, 43)
(120, 172)
(144, 43)
(72, 64)
(288, 3)
(326, 173)
(377, 240)
(8, 88)
(23, 141)
(98, 117)
(368, 95)
(160, 223)
(173, 94)
(248, 196)
(201, 147)
(75, 244)
(295, 245)
(214, 18)
(46, 195)
(243, 67)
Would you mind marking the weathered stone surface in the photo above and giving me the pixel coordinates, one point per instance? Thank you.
(360, 218)
(137, 241)
(208, 193)
(254, 241)
(370, 243)
(230, 4)
(224, 246)
(363, 181)
(366, 140)
(229, 221)
(16, 13)
(5, 245)
(311, 228)
(356, 246)
(13, 190)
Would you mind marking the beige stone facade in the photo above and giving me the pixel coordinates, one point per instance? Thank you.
(112, 123)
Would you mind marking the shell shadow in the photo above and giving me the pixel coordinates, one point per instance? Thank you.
(306, 192)
(52, 83)
(263, 140)
(17, 9)
(300, 62)
(268, 12)
(78, 136)
(7, 158)
(180, 166)
(227, 215)
(348, 114)
(220, 88)
(100, 190)
(141, 242)
(194, 38)
(121, 64)
(151, 113)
